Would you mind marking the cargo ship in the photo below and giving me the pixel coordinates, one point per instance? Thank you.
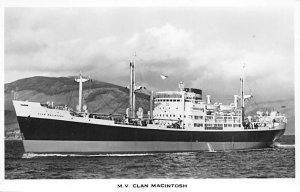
(178, 121)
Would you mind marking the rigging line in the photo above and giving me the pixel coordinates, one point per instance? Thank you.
(255, 103)
(122, 103)
(108, 103)
(99, 107)
(89, 89)
(71, 95)
(253, 99)
(140, 69)
(116, 109)
(143, 71)
(161, 72)
(120, 106)
(125, 103)
(138, 103)
(249, 88)
(118, 61)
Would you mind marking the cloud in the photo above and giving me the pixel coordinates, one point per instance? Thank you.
(205, 48)
(73, 54)
(162, 43)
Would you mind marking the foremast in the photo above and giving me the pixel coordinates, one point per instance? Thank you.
(80, 80)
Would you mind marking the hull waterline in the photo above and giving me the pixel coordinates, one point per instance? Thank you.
(106, 147)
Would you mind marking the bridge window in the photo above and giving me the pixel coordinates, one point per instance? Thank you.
(198, 117)
(198, 125)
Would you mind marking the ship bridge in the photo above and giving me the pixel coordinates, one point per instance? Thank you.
(174, 107)
(186, 93)
(193, 95)
(168, 106)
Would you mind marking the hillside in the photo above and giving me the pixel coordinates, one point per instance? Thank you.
(100, 97)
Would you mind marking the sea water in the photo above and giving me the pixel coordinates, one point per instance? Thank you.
(275, 162)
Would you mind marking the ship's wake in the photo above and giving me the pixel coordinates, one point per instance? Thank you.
(35, 155)
(210, 148)
(279, 145)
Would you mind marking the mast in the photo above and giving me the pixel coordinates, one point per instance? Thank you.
(80, 80)
(151, 105)
(242, 93)
(132, 89)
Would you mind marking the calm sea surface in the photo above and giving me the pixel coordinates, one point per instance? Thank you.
(277, 162)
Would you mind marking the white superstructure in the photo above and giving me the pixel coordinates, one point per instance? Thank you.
(185, 109)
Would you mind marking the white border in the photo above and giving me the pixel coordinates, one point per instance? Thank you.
(244, 185)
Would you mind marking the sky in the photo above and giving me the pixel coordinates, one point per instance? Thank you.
(205, 47)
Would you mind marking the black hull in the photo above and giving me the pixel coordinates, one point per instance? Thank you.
(58, 130)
